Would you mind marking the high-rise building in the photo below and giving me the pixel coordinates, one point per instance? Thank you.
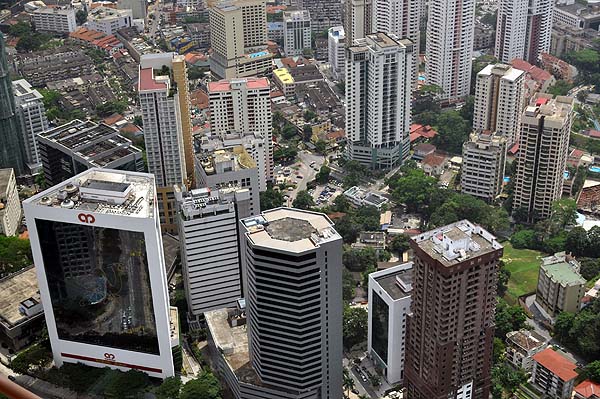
(292, 268)
(324, 13)
(10, 212)
(101, 272)
(499, 101)
(296, 32)
(358, 19)
(451, 329)
(12, 154)
(400, 17)
(208, 236)
(161, 107)
(32, 114)
(238, 38)
(137, 7)
(242, 106)
(336, 47)
(484, 159)
(523, 29)
(76, 146)
(378, 95)
(389, 307)
(449, 47)
(55, 19)
(542, 157)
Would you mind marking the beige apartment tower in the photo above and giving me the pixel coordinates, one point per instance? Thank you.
(499, 101)
(484, 159)
(238, 37)
(543, 146)
(358, 19)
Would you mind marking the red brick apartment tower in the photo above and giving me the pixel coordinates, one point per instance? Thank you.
(451, 330)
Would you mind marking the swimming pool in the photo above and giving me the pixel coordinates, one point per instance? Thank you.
(595, 169)
(506, 179)
(422, 78)
(566, 174)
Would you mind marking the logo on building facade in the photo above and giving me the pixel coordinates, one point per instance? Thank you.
(86, 218)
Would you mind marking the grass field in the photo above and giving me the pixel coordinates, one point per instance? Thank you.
(524, 267)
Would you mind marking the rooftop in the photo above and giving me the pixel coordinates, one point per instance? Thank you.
(149, 82)
(396, 281)
(5, 175)
(290, 230)
(249, 83)
(552, 109)
(103, 191)
(296, 15)
(588, 389)
(556, 363)
(14, 289)
(24, 92)
(456, 242)
(505, 71)
(563, 274)
(525, 339)
(98, 145)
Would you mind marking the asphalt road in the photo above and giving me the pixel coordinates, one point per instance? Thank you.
(307, 173)
(363, 387)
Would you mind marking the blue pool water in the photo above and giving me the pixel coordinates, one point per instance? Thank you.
(259, 54)
(566, 174)
(506, 179)
(422, 78)
(595, 169)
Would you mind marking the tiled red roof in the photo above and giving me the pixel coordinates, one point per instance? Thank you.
(556, 363)
(594, 133)
(114, 118)
(147, 81)
(434, 160)
(576, 153)
(514, 149)
(337, 134)
(425, 147)
(251, 83)
(588, 389)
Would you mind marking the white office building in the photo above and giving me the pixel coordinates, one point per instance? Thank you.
(389, 305)
(54, 19)
(101, 272)
(292, 268)
(523, 29)
(378, 95)
(400, 17)
(484, 160)
(449, 47)
(296, 32)
(10, 204)
(163, 135)
(208, 237)
(336, 48)
(499, 101)
(31, 111)
(542, 158)
(109, 20)
(242, 106)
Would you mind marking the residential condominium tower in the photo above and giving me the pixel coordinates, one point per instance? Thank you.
(378, 95)
(238, 38)
(336, 46)
(449, 47)
(242, 106)
(101, 272)
(12, 154)
(358, 19)
(292, 268)
(451, 329)
(208, 236)
(163, 135)
(32, 114)
(541, 162)
(499, 101)
(484, 160)
(523, 29)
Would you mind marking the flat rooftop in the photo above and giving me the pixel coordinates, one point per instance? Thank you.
(226, 85)
(563, 274)
(398, 284)
(232, 343)
(97, 144)
(106, 195)
(290, 230)
(15, 289)
(456, 242)
(526, 339)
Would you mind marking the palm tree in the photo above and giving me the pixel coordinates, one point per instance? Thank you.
(348, 382)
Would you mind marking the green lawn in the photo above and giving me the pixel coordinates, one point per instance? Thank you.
(524, 267)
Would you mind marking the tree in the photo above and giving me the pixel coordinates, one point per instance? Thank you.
(303, 200)
(508, 318)
(138, 120)
(365, 275)
(347, 228)
(562, 326)
(590, 268)
(453, 131)
(321, 146)
(375, 380)
(33, 357)
(15, 254)
(499, 351)
(322, 176)
(285, 154)
(205, 386)
(466, 112)
(270, 199)
(288, 131)
(20, 29)
(560, 88)
(508, 378)
(355, 326)
(177, 358)
(359, 259)
(309, 115)
(523, 239)
(503, 277)
(111, 107)
(564, 213)
(400, 244)
(415, 189)
(169, 389)
(577, 241)
(592, 371)
(81, 16)
(341, 204)
(126, 385)
(347, 285)
(348, 381)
